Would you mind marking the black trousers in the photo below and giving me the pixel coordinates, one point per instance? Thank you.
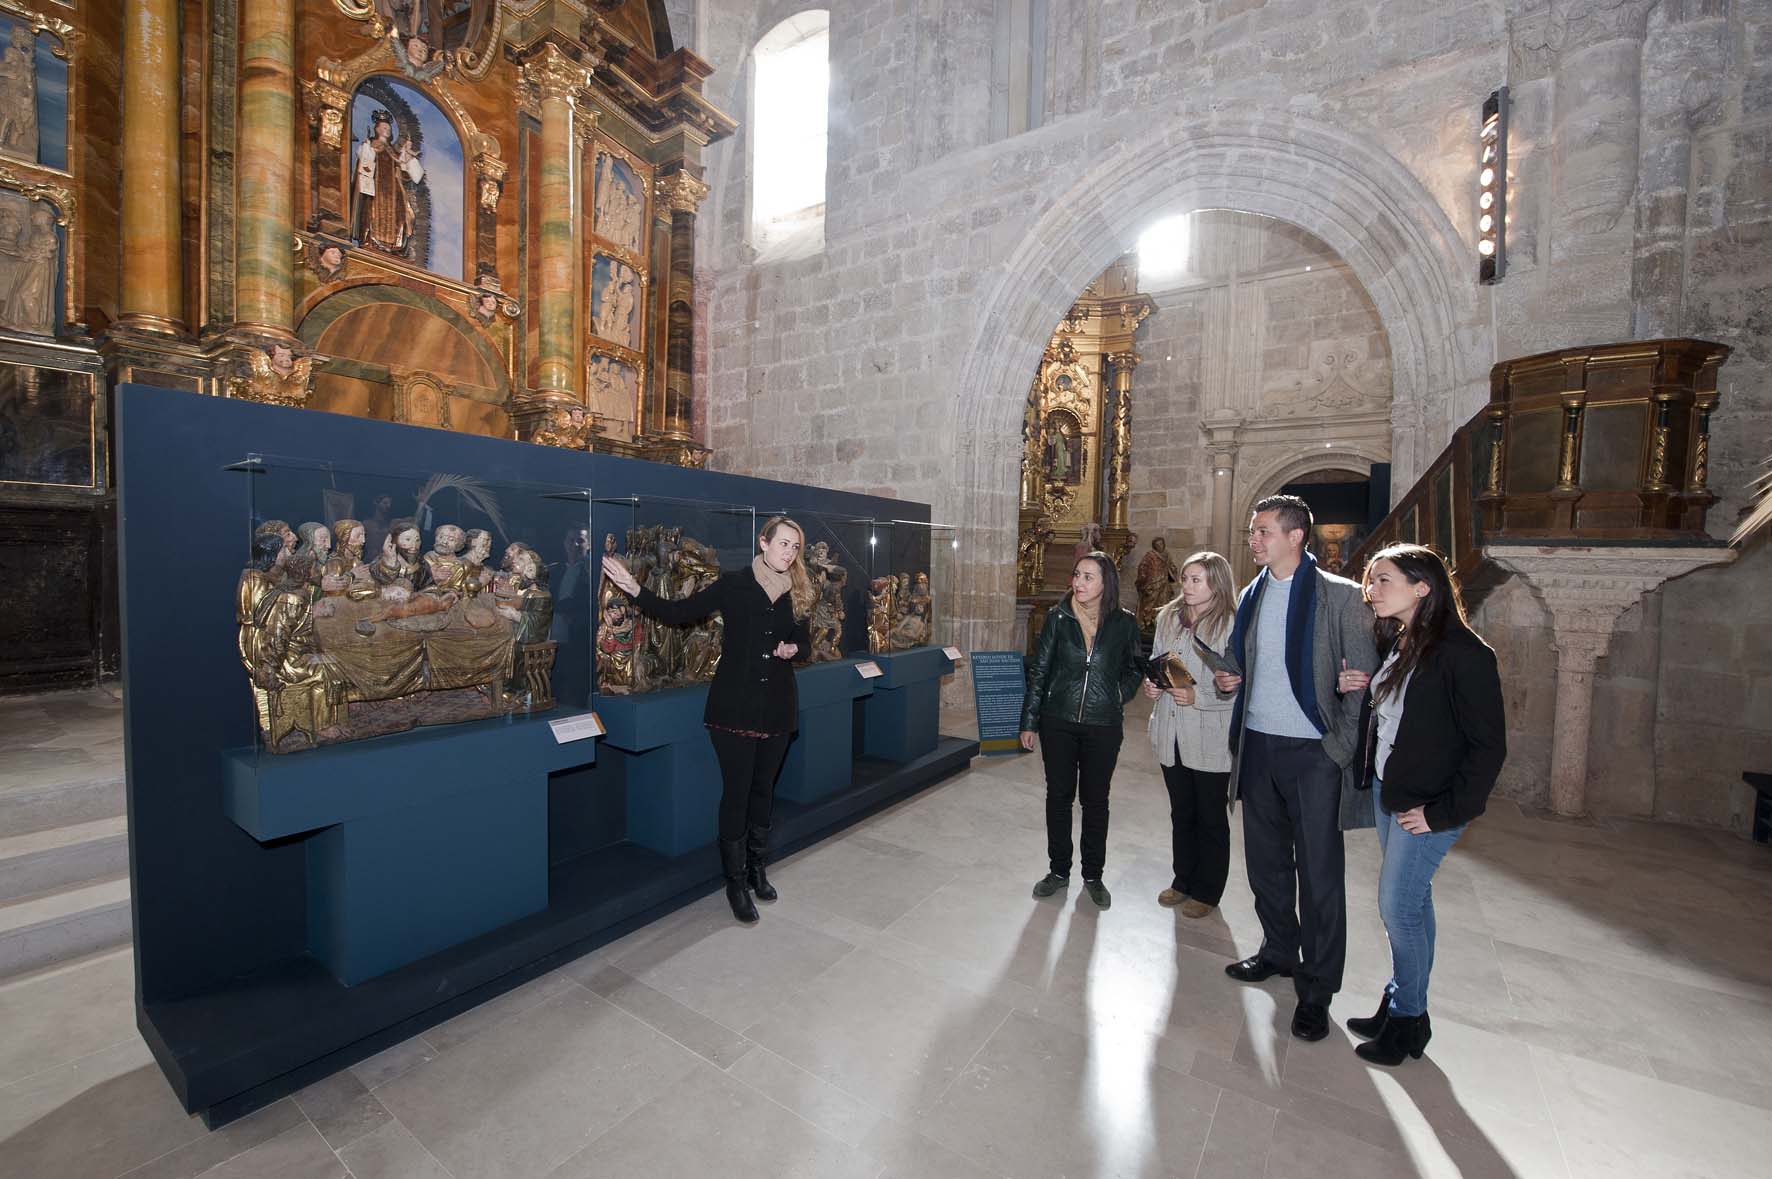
(748, 768)
(1199, 830)
(1079, 761)
(1291, 792)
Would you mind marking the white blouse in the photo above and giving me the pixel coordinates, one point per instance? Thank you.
(1389, 712)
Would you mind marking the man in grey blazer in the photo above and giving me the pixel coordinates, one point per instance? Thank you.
(1295, 740)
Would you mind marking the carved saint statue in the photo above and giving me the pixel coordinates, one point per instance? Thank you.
(1158, 580)
(829, 578)
(615, 318)
(621, 636)
(916, 616)
(398, 570)
(382, 213)
(307, 562)
(27, 269)
(880, 615)
(18, 95)
(344, 573)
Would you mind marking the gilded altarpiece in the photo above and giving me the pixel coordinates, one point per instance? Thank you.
(1077, 439)
(382, 209)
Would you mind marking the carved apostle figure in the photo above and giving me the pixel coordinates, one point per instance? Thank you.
(18, 95)
(382, 214)
(880, 615)
(27, 273)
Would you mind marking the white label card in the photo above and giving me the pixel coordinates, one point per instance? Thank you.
(869, 670)
(952, 653)
(576, 728)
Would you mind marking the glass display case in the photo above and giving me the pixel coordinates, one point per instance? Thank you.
(910, 589)
(673, 547)
(839, 562)
(372, 602)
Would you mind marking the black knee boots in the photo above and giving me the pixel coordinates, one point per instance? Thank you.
(756, 855)
(738, 893)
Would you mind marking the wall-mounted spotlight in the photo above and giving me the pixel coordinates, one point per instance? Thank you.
(1492, 189)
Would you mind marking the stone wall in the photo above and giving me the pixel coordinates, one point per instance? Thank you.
(896, 360)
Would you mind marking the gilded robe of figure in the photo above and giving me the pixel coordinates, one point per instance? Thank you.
(382, 212)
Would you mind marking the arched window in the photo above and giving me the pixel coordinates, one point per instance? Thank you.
(790, 89)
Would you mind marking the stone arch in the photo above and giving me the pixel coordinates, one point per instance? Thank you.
(1294, 468)
(1338, 185)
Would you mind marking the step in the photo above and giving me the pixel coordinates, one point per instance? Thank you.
(63, 856)
(27, 809)
(52, 927)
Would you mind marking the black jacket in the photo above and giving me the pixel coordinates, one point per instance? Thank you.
(1091, 689)
(752, 689)
(1453, 737)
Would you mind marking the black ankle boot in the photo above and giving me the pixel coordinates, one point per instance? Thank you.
(732, 856)
(1368, 1029)
(756, 855)
(1403, 1035)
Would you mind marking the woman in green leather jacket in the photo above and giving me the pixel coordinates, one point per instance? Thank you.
(1086, 666)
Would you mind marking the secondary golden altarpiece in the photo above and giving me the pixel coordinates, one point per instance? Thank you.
(475, 215)
(1076, 463)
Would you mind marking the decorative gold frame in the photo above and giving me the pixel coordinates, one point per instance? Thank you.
(97, 460)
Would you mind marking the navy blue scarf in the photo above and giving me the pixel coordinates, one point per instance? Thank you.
(1301, 634)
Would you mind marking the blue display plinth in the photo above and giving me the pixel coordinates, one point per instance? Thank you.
(899, 721)
(820, 761)
(673, 780)
(414, 842)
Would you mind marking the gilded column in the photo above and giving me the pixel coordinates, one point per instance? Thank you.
(265, 211)
(1120, 462)
(558, 78)
(684, 193)
(153, 283)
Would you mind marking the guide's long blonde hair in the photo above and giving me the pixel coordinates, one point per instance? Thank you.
(1215, 620)
(802, 594)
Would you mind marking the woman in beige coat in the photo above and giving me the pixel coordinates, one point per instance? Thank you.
(1190, 732)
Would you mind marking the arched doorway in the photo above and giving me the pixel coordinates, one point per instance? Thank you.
(1352, 195)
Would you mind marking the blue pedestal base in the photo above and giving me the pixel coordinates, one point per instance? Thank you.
(673, 780)
(901, 717)
(414, 842)
(820, 761)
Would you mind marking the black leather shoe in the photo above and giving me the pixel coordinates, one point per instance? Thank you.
(1403, 1035)
(732, 856)
(1255, 968)
(1368, 1029)
(756, 855)
(1310, 1021)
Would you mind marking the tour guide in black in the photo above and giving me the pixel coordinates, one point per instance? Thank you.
(753, 707)
(1086, 667)
(1295, 741)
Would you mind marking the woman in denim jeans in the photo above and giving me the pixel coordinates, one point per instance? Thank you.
(1435, 739)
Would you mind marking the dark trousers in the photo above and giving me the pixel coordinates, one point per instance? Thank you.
(748, 767)
(1199, 830)
(1079, 761)
(1291, 792)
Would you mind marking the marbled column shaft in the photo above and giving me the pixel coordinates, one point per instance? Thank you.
(265, 213)
(152, 288)
(558, 78)
(680, 327)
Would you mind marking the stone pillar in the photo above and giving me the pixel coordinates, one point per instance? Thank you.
(1119, 482)
(683, 192)
(1221, 444)
(1586, 590)
(152, 296)
(558, 78)
(264, 268)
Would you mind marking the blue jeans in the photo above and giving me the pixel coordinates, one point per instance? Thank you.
(1406, 902)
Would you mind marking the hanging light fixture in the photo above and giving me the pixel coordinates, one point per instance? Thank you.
(1492, 189)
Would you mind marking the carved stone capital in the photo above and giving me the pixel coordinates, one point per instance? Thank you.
(681, 191)
(555, 75)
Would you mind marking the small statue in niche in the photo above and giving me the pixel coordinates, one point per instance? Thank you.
(18, 95)
(1157, 581)
(381, 212)
(880, 615)
(615, 317)
(916, 616)
(27, 271)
